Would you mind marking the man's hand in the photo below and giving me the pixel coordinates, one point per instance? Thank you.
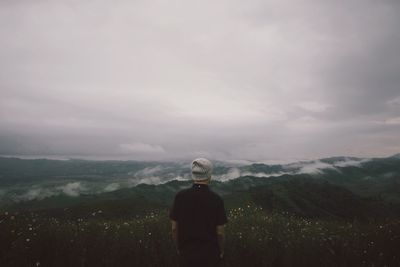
(174, 228)
(221, 240)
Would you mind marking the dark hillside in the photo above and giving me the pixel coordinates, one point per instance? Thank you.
(317, 199)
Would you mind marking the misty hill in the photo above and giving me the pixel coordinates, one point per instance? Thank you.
(300, 195)
(13, 170)
(18, 170)
(339, 187)
(396, 156)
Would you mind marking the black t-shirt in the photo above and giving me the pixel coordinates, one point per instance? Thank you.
(198, 211)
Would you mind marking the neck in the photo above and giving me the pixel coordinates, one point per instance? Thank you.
(206, 182)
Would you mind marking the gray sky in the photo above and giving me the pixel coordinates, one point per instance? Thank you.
(268, 79)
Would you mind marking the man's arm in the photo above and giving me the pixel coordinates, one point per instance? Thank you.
(221, 239)
(174, 228)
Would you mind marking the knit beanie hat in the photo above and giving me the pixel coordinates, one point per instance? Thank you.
(201, 169)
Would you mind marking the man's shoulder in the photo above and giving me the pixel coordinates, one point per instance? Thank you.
(183, 192)
(215, 195)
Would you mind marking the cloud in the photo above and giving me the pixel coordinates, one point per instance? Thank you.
(112, 187)
(141, 148)
(22, 192)
(234, 173)
(36, 193)
(149, 171)
(73, 189)
(313, 106)
(313, 167)
(393, 121)
(234, 80)
(394, 102)
(349, 162)
(318, 167)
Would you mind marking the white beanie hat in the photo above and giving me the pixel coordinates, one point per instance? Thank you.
(201, 169)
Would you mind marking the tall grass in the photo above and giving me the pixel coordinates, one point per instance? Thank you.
(253, 238)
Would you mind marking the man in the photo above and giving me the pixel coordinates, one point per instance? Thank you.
(198, 218)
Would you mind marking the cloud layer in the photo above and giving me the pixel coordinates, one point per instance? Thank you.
(174, 80)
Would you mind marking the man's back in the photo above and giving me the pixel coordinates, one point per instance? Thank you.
(197, 214)
(198, 210)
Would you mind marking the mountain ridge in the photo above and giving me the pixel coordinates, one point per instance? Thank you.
(377, 179)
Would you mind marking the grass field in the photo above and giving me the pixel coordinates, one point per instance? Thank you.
(253, 238)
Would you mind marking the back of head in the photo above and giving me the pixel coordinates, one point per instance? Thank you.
(201, 169)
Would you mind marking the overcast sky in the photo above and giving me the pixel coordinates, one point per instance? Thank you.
(165, 79)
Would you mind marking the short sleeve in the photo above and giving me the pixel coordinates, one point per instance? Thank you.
(221, 214)
(173, 213)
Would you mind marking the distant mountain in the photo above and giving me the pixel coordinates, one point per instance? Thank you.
(396, 156)
(19, 170)
(263, 168)
(333, 160)
(339, 187)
